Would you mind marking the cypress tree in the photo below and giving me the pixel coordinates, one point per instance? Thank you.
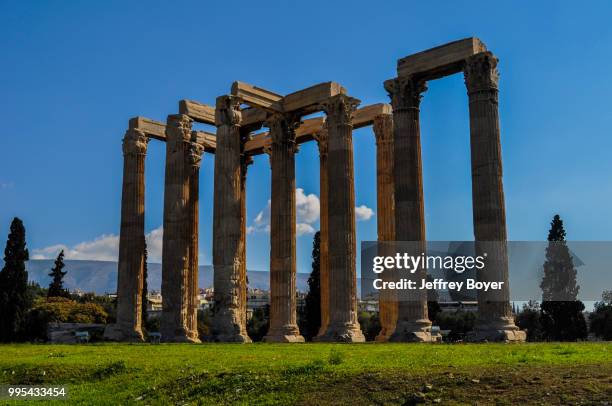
(56, 287)
(312, 308)
(14, 298)
(561, 314)
(559, 281)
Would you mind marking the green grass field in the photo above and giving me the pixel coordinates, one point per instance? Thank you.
(316, 373)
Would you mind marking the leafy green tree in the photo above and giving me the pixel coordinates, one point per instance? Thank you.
(61, 310)
(529, 320)
(459, 323)
(370, 324)
(601, 318)
(15, 299)
(56, 287)
(204, 323)
(311, 317)
(561, 317)
(259, 323)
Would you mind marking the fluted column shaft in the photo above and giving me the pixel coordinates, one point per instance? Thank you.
(229, 321)
(495, 320)
(283, 318)
(195, 159)
(412, 320)
(245, 161)
(322, 142)
(383, 131)
(174, 324)
(343, 324)
(131, 239)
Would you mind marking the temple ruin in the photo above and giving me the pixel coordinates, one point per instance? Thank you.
(400, 206)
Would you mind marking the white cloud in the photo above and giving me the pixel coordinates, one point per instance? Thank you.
(303, 228)
(307, 210)
(307, 207)
(102, 248)
(363, 212)
(154, 244)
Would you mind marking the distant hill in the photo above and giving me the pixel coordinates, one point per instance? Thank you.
(101, 276)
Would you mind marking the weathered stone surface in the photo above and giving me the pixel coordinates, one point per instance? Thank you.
(229, 322)
(200, 112)
(194, 161)
(440, 61)
(323, 144)
(131, 240)
(157, 130)
(310, 127)
(383, 130)
(405, 93)
(283, 317)
(245, 161)
(495, 321)
(304, 101)
(343, 324)
(175, 320)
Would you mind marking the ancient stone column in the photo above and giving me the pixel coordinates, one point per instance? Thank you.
(195, 159)
(174, 324)
(131, 241)
(322, 142)
(229, 320)
(495, 321)
(343, 324)
(383, 131)
(245, 161)
(283, 306)
(405, 93)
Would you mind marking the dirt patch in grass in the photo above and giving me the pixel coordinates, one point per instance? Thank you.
(586, 384)
(318, 383)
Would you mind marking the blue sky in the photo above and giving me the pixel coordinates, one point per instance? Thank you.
(73, 73)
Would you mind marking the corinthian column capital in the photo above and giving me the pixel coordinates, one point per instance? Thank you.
(195, 154)
(322, 138)
(481, 72)
(282, 129)
(227, 111)
(383, 128)
(135, 142)
(406, 92)
(339, 109)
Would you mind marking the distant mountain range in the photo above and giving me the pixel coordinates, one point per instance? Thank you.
(101, 276)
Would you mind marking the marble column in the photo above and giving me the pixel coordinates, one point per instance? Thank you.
(131, 241)
(343, 324)
(283, 306)
(322, 143)
(229, 319)
(245, 161)
(383, 131)
(174, 324)
(495, 321)
(195, 159)
(405, 93)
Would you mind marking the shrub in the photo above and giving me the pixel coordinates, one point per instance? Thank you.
(61, 310)
(529, 320)
(370, 325)
(459, 323)
(563, 321)
(601, 320)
